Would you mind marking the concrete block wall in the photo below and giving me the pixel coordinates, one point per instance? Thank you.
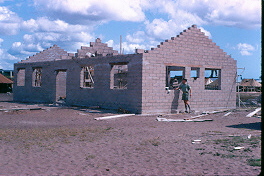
(28, 93)
(189, 49)
(97, 48)
(146, 76)
(50, 54)
(101, 95)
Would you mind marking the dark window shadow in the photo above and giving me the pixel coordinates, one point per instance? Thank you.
(252, 126)
(175, 103)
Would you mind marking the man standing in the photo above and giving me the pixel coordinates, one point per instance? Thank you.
(186, 94)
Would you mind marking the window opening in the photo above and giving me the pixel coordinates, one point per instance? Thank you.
(195, 72)
(37, 75)
(87, 77)
(212, 79)
(174, 76)
(119, 76)
(21, 77)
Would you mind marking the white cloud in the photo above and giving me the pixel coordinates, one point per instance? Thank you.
(137, 37)
(161, 29)
(207, 33)
(237, 13)
(9, 22)
(83, 11)
(182, 14)
(130, 47)
(127, 47)
(7, 60)
(245, 49)
(41, 40)
(43, 24)
(46, 33)
(71, 24)
(110, 43)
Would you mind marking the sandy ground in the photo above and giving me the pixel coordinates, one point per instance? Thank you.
(68, 141)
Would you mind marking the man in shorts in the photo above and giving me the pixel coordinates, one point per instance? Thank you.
(186, 94)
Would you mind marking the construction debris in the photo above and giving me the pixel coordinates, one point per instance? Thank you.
(114, 116)
(238, 148)
(182, 120)
(19, 109)
(197, 141)
(227, 114)
(254, 112)
(195, 117)
(82, 113)
(95, 111)
(214, 112)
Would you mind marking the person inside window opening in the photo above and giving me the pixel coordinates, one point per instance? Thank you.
(212, 73)
(186, 94)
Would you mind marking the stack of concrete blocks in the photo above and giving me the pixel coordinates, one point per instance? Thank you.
(96, 48)
(189, 49)
(51, 54)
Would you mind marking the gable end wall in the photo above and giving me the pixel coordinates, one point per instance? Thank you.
(189, 49)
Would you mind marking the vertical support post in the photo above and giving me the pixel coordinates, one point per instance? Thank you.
(238, 94)
(120, 44)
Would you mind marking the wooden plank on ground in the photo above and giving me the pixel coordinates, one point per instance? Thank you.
(182, 120)
(254, 112)
(227, 114)
(114, 116)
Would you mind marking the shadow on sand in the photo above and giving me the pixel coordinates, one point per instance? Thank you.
(252, 126)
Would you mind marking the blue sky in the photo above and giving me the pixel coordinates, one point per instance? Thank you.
(30, 26)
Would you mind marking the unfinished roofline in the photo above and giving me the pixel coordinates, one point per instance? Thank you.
(191, 65)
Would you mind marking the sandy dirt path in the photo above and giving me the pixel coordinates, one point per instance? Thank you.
(68, 141)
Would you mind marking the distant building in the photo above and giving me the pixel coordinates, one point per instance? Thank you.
(249, 85)
(7, 73)
(5, 84)
(99, 75)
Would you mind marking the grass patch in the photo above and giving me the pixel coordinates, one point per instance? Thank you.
(45, 138)
(237, 140)
(247, 150)
(227, 155)
(90, 157)
(221, 141)
(217, 154)
(254, 162)
(199, 149)
(109, 128)
(154, 142)
(213, 133)
(202, 153)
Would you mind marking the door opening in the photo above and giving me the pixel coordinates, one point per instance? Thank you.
(61, 85)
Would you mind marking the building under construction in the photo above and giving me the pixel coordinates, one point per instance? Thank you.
(141, 83)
